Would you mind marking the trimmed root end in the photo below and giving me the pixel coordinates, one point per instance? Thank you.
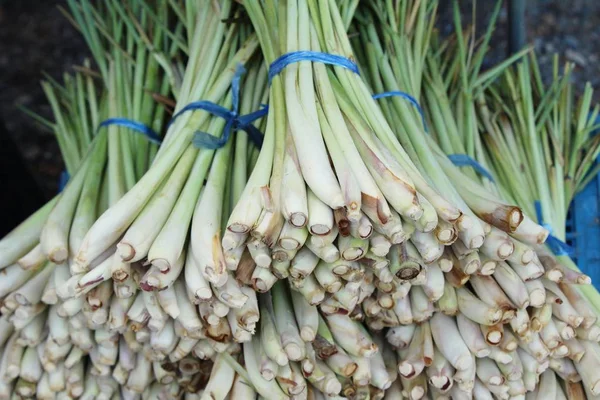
(298, 219)
(125, 251)
(289, 243)
(293, 351)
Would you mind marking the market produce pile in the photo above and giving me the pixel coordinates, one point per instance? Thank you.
(302, 199)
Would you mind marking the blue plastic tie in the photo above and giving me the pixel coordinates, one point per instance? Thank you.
(463, 160)
(460, 160)
(233, 120)
(125, 123)
(296, 56)
(134, 126)
(409, 98)
(63, 180)
(557, 246)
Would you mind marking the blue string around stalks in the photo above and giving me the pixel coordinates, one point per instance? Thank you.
(233, 120)
(463, 160)
(558, 247)
(304, 55)
(136, 127)
(460, 160)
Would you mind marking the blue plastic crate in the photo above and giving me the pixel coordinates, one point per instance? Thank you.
(583, 230)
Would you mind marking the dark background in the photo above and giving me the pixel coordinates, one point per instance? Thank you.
(36, 37)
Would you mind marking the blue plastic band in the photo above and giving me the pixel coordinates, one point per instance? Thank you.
(296, 56)
(63, 180)
(134, 126)
(407, 97)
(463, 160)
(557, 246)
(233, 120)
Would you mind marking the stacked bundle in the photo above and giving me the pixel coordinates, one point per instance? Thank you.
(346, 257)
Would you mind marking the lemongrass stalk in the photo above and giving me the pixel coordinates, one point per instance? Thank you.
(188, 316)
(303, 263)
(427, 245)
(291, 380)
(324, 274)
(488, 266)
(472, 336)
(489, 373)
(403, 310)
(536, 347)
(168, 245)
(477, 310)
(520, 323)
(362, 228)
(497, 245)
(446, 261)
(33, 258)
(537, 293)
(291, 237)
(413, 358)
(422, 308)
(220, 381)
(440, 372)
(575, 349)
(286, 325)
(448, 303)
(448, 340)
(460, 250)
(445, 233)
(513, 370)
(512, 284)
(93, 278)
(379, 244)
(565, 368)
(488, 290)
(516, 388)
(260, 253)
(22, 239)
(580, 304)
(575, 390)
(54, 235)
(404, 261)
(415, 389)
(263, 280)
(328, 253)
(306, 315)
(60, 274)
(529, 232)
(311, 290)
(352, 249)
(530, 364)
(566, 331)
(562, 308)
(401, 336)
(31, 292)
(522, 253)
(13, 278)
(265, 388)
(293, 189)
(529, 271)
(320, 216)
(341, 363)
(120, 216)
(470, 263)
(139, 237)
(241, 389)
(591, 334)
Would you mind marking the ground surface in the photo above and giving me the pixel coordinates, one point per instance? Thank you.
(35, 37)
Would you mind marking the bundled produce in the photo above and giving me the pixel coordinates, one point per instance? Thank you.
(341, 254)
